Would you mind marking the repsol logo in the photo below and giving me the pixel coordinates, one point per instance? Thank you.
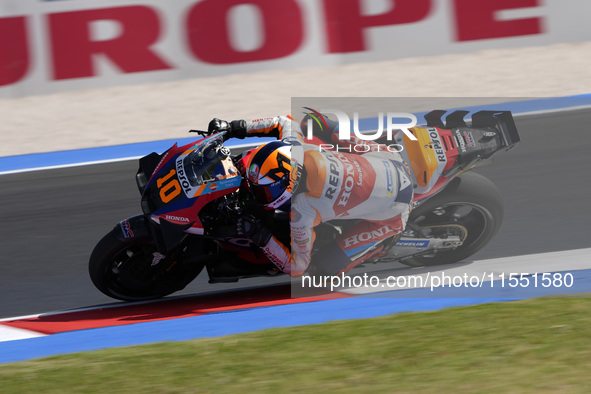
(379, 234)
(437, 148)
(182, 178)
(333, 176)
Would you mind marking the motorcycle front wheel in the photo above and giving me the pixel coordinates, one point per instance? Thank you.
(470, 205)
(134, 271)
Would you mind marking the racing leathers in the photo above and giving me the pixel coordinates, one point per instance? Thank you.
(358, 180)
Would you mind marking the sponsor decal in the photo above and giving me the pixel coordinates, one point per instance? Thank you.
(437, 146)
(403, 174)
(404, 180)
(280, 201)
(355, 185)
(276, 255)
(294, 179)
(412, 244)
(378, 234)
(294, 215)
(460, 140)
(240, 242)
(157, 258)
(469, 139)
(349, 181)
(233, 181)
(126, 229)
(213, 187)
(334, 176)
(163, 160)
(177, 218)
(180, 170)
(359, 174)
(389, 183)
(263, 120)
(253, 172)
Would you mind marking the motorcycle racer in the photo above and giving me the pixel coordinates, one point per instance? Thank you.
(359, 179)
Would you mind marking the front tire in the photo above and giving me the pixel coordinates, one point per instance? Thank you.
(126, 270)
(471, 201)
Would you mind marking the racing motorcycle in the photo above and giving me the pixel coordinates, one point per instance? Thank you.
(193, 195)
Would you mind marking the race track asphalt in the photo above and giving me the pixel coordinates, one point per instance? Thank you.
(52, 219)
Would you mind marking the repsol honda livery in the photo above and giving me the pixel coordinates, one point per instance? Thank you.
(192, 196)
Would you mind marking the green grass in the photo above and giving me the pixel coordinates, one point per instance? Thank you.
(527, 346)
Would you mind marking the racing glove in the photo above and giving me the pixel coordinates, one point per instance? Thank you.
(233, 129)
(253, 229)
(260, 235)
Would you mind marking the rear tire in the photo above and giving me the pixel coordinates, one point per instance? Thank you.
(482, 203)
(124, 270)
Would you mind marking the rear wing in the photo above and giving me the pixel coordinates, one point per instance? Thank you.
(501, 121)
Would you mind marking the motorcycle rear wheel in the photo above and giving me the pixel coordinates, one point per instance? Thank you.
(130, 271)
(470, 200)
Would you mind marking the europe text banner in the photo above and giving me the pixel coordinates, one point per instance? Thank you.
(55, 45)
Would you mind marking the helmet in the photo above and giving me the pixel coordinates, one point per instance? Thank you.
(269, 172)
